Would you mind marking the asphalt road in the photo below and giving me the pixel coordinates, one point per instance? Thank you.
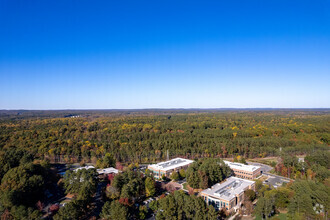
(280, 177)
(264, 168)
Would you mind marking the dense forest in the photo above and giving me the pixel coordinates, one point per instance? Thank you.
(144, 136)
(31, 141)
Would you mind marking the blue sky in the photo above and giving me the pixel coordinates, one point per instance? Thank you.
(164, 54)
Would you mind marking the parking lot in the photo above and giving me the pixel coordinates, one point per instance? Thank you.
(275, 181)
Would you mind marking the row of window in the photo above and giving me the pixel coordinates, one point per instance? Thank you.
(244, 177)
(216, 204)
(236, 171)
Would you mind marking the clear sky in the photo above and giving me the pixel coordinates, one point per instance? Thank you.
(164, 54)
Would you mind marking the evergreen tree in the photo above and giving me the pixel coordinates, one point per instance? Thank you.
(150, 187)
(114, 210)
(175, 176)
(212, 214)
(72, 210)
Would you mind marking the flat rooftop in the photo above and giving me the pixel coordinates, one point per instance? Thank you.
(107, 170)
(241, 166)
(85, 167)
(171, 164)
(228, 189)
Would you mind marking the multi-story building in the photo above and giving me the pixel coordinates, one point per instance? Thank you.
(244, 171)
(228, 195)
(167, 167)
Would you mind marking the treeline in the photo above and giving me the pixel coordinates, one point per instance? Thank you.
(302, 199)
(182, 206)
(143, 137)
(306, 198)
(315, 166)
(23, 185)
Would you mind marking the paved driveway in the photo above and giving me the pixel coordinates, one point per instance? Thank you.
(264, 168)
(276, 181)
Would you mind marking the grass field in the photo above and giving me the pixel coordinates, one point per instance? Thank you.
(268, 161)
(280, 216)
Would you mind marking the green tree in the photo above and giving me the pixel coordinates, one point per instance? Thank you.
(12, 158)
(109, 160)
(182, 173)
(306, 194)
(193, 180)
(258, 185)
(266, 204)
(207, 172)
(106, 210)
(242, 160)
(212, 214)
(119, 181)
(283, 197)
(175, 176)
(71, 210)
(319, 157)
(322, 172)
(143, 212)
(86, 192)
(74, 180)
(114, 210)
(153, 205)
(250, 195)
(150, 187)
(126, 192)
(264, 207)
(22, 185)
(182, 206)
(22, 212)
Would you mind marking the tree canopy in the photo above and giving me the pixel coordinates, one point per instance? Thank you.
(23, 185)
(114, 210)
(207, 172)
(182, 206)
(145, 136)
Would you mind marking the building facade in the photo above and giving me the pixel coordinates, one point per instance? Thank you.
(166, 168)
(228, 195)
(244, 171)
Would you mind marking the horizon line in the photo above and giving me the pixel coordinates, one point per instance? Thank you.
(128, 109)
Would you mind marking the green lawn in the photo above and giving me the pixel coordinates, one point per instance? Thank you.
(185, 186)
(280, 216)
